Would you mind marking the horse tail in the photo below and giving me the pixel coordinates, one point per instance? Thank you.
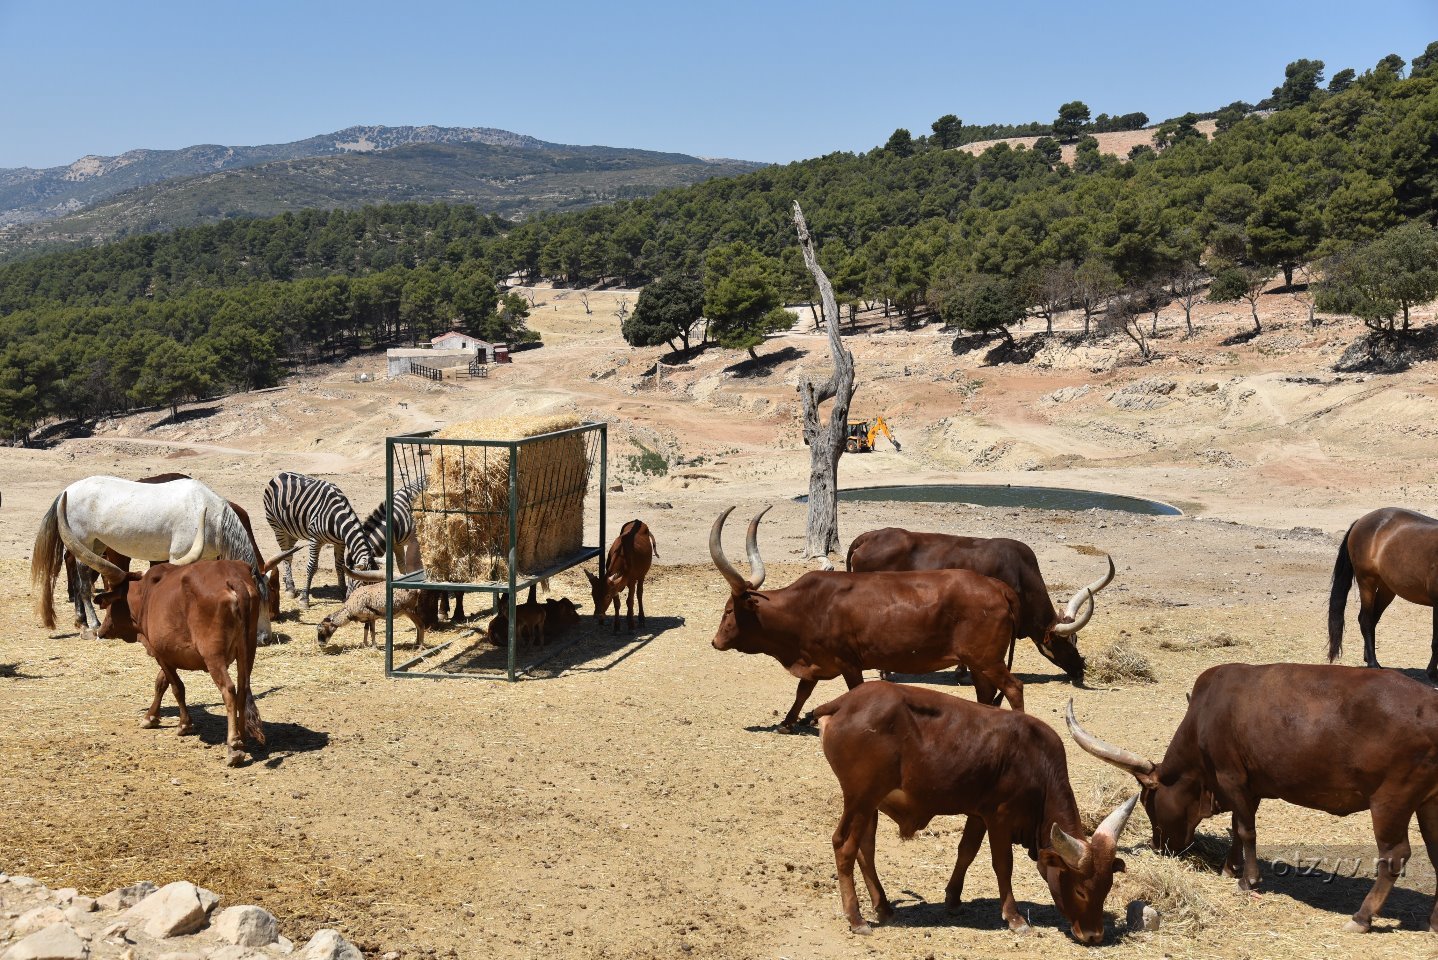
(45, 562)
(1338, 597)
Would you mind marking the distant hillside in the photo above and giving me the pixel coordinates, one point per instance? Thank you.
(1117, 143)
(27, 194)
(515, 178)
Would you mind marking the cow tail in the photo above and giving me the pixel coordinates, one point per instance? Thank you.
(253, 729)
(45, 562)
(1338, 597)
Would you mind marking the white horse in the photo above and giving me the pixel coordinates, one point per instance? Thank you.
(181, 521)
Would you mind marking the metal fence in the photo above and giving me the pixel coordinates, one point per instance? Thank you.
(429, 373)
(541, 492)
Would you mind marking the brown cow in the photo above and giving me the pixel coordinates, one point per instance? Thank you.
(916, 754)
(1330, 738)
(1391, 553)
(831, 624)
(628, 563)
(1011, 561)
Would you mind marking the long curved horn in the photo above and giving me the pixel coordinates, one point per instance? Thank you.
(1092, 588)
(756, 562)
(716, 553)
(1113, 824)
(198, 547)
(83, 553)
(1075, 852)
(1107, 752)
(276, 561)
(1077, 620)
(366, 576)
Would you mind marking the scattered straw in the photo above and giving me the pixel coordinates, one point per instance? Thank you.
(462, 517)
(1120, 665)
(1182, 894)
(1109, 791)
(1214, 641)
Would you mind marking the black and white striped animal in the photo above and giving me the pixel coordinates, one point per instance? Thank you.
(404, 531)
(298, 508)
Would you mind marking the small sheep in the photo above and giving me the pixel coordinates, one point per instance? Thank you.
(366, 605)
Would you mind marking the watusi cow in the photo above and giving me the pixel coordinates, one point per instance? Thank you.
(199, 616)
(831, 624)
(915, 754)
(630, 556)
(1330, 738)
(1011, 561)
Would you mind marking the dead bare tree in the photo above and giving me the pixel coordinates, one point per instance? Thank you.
(584, 299)
(622, 310)
(825, 439)
(1187, 283)
(1308, 280)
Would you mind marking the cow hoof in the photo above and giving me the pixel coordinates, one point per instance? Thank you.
(187, 729)
(1019, 926)
(952, 902)
(1353, 926)
(862, 929)
(235, 757)
(884, 912)
(150, 723)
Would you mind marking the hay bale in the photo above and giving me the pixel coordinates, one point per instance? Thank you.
(1120, 664)
(462, 516)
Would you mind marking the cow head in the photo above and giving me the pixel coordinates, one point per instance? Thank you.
(740, 620)
(1080, 872)
(1175, 801)
(560, 614)
(604, 591)
(123, 605)
(1059, 642)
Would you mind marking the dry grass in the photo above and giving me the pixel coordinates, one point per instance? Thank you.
(1185, 896)
(1213, 641)
(1120, 665)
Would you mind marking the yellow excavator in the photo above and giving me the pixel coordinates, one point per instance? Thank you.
(863, 434)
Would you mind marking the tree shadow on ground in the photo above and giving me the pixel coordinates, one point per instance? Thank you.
(765, 364)
(185, 416)
(1239, 338)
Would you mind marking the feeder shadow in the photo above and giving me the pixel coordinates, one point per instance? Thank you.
(11, 671)
(586, 648)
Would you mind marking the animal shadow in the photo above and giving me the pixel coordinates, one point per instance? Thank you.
(282, 740)
(1328, 886)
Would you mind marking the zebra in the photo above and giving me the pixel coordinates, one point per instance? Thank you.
(404, 531)
(297, 508)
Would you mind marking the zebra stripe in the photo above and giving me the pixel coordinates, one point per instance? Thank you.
(298, 508)
(403, 519)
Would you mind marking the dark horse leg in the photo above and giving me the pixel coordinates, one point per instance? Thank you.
(1433, 660)
(1372, 602)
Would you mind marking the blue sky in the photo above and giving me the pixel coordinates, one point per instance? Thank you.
(774, 81)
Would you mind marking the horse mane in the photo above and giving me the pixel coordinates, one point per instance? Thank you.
(235, 545)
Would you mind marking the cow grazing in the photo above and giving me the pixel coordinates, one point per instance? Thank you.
(1331, 738)
(630, 556)
(1011, 561)
(831, 624)
(1390, 553)
(915, 754)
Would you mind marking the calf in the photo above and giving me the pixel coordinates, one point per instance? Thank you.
(831, 624)
(1336, 739)
(529, 622)
(366, 606)
(200, 616)
(626, 566)
(915, 754)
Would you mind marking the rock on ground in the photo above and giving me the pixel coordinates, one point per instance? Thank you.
(329, 945)
(247, 926)
(37, 919)
(126, 897)
(174, 910)
(55, 942)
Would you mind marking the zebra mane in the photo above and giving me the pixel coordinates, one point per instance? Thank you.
(235, 545)
(373, 525)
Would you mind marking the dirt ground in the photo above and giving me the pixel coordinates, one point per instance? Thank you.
(634, 799)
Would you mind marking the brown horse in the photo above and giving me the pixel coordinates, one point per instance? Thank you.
(1391, 552)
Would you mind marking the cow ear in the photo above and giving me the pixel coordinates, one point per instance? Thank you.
(1118, 865)
(1048, 860)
